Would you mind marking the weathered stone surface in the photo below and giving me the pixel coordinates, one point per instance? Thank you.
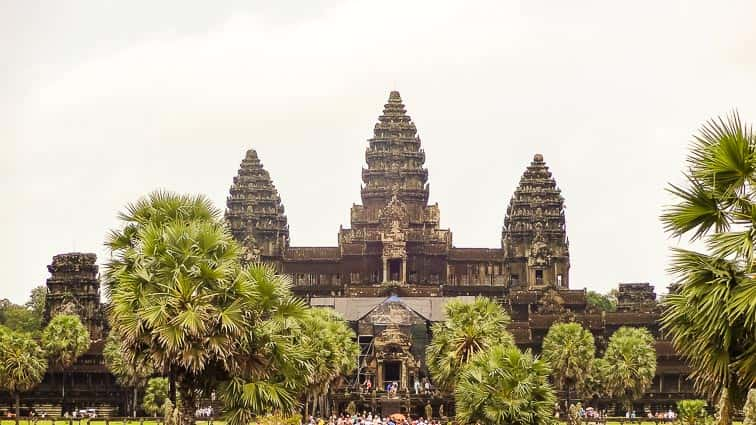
(74, 288)
(255, 212)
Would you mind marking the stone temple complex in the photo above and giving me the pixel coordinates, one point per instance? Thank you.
(391, 272)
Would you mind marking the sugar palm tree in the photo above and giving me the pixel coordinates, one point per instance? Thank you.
(64, 340)
(22, 364)
(570, 350)
(155, 395)
(501, 386)
(272, 367)
(335, 354)
(631, 360)
(179, 294)
(710, 315)
(128, 374)
(469, 328)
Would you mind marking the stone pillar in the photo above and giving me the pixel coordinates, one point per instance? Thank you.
(385, 270)
(403, 276)
(379, 384)
(403, 377)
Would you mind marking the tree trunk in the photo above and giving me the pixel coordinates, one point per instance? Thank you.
(172, 387)
(63, 391)
(724, 408)
(134, 404)
(187, 406)
(18, 406)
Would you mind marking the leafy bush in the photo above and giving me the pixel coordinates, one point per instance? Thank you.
(691, 412)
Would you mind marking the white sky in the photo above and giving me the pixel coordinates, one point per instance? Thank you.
(104, 101)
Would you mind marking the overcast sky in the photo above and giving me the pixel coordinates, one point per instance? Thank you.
(104, 101)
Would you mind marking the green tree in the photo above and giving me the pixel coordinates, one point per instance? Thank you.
(502, 385)
(130, 371)
(64, 340)
(749, 409)
(468, 329)
(22, 364)
(18, 317)
(37, 301)
(601, 302)
(179, 295)
(710, 315)
(570, 350)
(631, 360)
(691, 412)
(335, 354)
(155, 395)
(594, 384)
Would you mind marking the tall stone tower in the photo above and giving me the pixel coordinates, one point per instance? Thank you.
(395, 226)
(534, 236)
(394, 160)
(255, 212)
(74, 288)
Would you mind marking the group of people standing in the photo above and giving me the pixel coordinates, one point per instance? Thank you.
(368, 419)
(392, 388)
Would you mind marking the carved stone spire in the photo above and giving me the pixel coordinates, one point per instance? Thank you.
(394, 159)
(254, 211)
(534, 230)
(74, 288)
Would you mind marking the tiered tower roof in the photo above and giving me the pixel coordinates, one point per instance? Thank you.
(74, 288)
(254, 209)
(537, 208)
(394, 159)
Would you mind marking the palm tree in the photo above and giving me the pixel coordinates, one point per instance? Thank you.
(272, 367)
(155, 395)
(335, 354)
(570, 350)
(179, 295)
(710, 315)
(64, 340)
(631, 360)
(594, 384)
(468, 329)
(502, 385)
(22, 364)
(128, 374)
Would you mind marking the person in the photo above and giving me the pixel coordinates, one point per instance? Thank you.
(368, 385)
(417, 386)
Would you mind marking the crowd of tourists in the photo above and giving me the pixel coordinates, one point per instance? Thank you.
(369, 419)
(392, 388)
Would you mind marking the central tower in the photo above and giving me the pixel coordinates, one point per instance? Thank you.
(395, 225)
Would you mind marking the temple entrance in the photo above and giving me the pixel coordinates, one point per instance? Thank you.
(392, 372)
(395, 269)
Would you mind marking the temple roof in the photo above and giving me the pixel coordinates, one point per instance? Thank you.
(355, 308)
(394, 159)
(254, 209)
(536, 206)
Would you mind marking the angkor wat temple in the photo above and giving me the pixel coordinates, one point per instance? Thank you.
(391, 273)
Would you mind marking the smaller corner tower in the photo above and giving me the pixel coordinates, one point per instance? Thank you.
(74, 288)
(534, 236)
(255, 213)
